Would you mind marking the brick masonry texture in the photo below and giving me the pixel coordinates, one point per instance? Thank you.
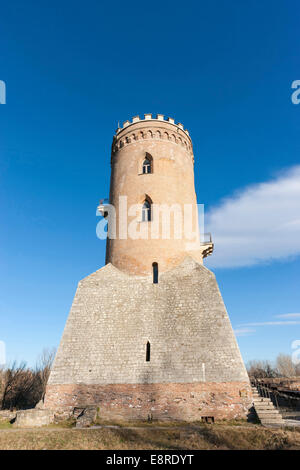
(171, 183)
(112, 318)
(188, 402)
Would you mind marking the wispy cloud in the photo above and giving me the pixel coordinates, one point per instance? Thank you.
(243, 331)
(257, 224)
(273, 323)
(289, 315)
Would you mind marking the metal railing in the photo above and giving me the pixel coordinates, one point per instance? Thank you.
(266, 391)
(205, 238)
(102, 207)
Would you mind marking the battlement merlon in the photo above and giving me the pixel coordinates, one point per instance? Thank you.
(148, 117)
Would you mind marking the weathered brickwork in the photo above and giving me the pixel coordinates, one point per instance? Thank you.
(188, 402)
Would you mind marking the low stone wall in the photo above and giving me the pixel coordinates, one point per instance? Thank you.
(34, 418)
(169, 401)
(7, 415)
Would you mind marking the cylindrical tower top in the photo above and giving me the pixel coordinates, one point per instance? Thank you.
(151, 127)
(153, 195)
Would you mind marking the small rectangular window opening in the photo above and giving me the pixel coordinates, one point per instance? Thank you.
(155, 273)
(148, 352)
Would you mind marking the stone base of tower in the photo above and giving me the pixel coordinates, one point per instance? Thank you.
(169, 401)
(194, 367)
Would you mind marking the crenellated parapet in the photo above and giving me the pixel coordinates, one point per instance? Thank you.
(151, 128)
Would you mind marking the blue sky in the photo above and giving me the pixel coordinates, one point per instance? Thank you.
(72, 70)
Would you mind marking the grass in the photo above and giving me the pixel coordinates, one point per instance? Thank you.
(176, 436)
(5, 424)
(141, 423)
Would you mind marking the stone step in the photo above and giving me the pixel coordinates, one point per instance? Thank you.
(266, 411)
(261, 399)
(272, 421)
(262, 402)
(271, 417)
(265, 422)
(276, 419)
(267, 406)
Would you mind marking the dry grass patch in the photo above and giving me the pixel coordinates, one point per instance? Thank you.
(187, 437)
(141, 423)
(5, 424)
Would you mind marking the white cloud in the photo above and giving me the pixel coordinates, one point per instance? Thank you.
(289, 315)
(243, 331)
(260, 223)
(273, 323)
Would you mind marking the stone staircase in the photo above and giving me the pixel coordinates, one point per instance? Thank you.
(266, 411)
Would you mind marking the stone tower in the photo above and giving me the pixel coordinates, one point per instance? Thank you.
(148, 334)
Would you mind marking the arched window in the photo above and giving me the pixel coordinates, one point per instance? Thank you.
(146, 211)
(148, 352)
(146, 166)
(155, 273)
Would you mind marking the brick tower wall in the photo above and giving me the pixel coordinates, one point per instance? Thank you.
(171, 182)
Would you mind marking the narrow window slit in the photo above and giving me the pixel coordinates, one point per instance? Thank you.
(148, 352)
(155, 273)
